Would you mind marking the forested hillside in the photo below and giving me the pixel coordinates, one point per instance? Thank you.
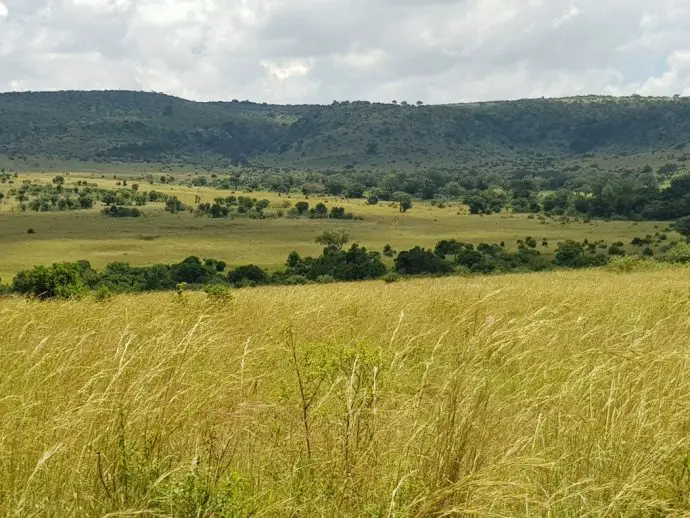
(136, 126)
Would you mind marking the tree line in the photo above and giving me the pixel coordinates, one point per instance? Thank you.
(337, 262)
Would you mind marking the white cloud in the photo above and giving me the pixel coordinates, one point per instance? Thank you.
(320, 50)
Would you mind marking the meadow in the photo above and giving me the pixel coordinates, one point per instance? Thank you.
(163, 237)
(557, 394)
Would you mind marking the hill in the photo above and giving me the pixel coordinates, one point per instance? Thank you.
(139, 127)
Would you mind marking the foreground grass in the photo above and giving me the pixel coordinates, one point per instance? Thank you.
(561, 394)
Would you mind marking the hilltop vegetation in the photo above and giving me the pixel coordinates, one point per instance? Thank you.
(140, 127)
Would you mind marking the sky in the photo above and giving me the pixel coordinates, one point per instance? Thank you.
(318, 51)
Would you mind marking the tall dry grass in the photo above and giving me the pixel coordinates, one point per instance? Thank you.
(561, 394)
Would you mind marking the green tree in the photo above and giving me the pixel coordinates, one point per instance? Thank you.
(333, 239)
(404, 200)
(682, 226)
(320, 211)
(418, 261)
(64, 280)
(570, 254)
(249, 274)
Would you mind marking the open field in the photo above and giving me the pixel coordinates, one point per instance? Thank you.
(164, 237)
(560, 394)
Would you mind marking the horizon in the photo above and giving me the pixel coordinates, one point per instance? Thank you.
(313, 51)
(400, 102)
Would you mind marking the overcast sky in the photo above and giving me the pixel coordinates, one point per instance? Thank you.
(317, 51)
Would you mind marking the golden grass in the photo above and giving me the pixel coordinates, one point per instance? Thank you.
(560, 394)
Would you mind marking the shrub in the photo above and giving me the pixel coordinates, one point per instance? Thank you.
(103, 293)
(679, 253)
(616, 250)
(193, 271)
(631, 263)
(115, 211)
(570, 255)
(297, 280)
(418, 261)
(391, 277)
(249, 273)
(30, 231)
(388, 251)
(218, 292)
(63, 280)
(302, 207)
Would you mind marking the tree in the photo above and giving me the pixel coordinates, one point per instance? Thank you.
(418, 261)
(173, 205)
(249, 274)
(570, 254)
(404, 200)
(335, 239)
(477, 204)
(302, 207)
(449, 247)
(193, 271)
(682, 226)
(62, 280)
(320, 211)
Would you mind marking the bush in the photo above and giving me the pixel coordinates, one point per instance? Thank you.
(115, 211)
(302, 207)
(218, 292)
(570, 255)
(419, 261)
(388, 251)
(249, 273)
(103, 293)
(193, 271)
(616, 250)
(30, 231)
(679, 253)
(391, 277)
(297, 280)
(632, 263)
(60, 280)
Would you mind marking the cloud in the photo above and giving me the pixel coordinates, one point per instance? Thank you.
(320, 50)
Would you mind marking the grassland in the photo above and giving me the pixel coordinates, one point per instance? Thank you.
(164, 237)
(559, 394)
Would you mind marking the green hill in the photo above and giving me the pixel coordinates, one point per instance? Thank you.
(137, 127)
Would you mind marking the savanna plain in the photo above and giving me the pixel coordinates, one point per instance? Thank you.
(520, 347)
